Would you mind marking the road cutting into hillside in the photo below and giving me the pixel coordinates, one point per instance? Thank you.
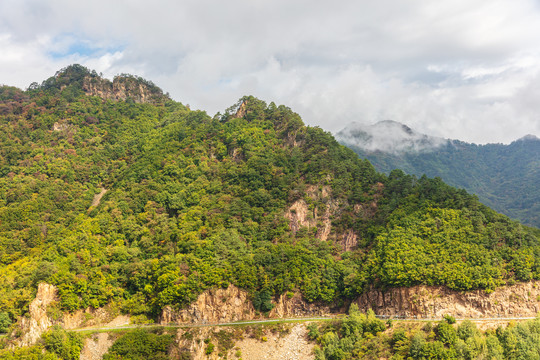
(291, 320)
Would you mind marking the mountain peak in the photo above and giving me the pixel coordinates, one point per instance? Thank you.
(79, 79)
(529, 137)
(387, 136)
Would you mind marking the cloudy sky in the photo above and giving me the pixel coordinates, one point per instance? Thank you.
(462, 69)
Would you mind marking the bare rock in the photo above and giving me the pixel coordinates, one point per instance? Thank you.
(96, 346)
(38, 322)
(520, 300)
(212, 306)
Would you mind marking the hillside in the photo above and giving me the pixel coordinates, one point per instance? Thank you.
(505, 177)
(187, 202)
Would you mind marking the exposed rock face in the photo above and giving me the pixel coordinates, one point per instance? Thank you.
(123, 88)
(289, 342)
(291, 346)
(38, 321)
(234, 304)
(96, 346)
(97, 199)
(349, 241)
(242, 110)
(212, 306)
(301, 214)
(195, 347)
(61, 126)
(295, 306)
(520, 300)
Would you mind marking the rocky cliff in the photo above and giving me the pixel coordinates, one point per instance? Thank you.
(40, 317)
(316, 210)
(520, 300)
(37, 322)
(234, 304)
(123, 87)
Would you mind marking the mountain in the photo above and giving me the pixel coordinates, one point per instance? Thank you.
(504, 177)
(388, 136)
(123, 201)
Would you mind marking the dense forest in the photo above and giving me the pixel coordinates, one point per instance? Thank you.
(504, 177)
(363, 336)
(190, 202)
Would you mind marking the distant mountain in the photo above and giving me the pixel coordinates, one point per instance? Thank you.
(388, 136)
(505, 177)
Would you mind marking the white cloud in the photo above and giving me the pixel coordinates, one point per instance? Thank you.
(463, 69)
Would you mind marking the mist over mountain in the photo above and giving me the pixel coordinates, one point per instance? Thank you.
(387, 136)
(505, 177)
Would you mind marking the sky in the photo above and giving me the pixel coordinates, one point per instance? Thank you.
(459, 69)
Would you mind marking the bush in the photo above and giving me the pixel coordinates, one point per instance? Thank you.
(5, 322)
(449, 319)
(262, 301)
(446, 333)
(140, 345)
(66, 344)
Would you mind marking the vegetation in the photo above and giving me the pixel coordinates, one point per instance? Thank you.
(504, 177)
(369, 339)
(195, 202)
(140, 345)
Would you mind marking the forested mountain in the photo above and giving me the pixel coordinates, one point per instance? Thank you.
(115, 193)
(505, 177)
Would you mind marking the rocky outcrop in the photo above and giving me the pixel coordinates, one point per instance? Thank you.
(97, 199)
(96, 346)
(37, 322)
(349, 241)
(242, 110)
(122, 88)
(293, 305)
(233, 304)
(520, 300)
(302, 214)
(213, 306)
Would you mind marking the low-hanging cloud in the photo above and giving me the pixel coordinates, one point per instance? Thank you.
(459, 69)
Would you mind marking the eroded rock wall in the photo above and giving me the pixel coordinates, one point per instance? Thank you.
(520, 300)
(121, 89)
(38, 321)
(233, 304)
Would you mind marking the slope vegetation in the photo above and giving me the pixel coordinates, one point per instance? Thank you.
(251, 197)
(505, 177)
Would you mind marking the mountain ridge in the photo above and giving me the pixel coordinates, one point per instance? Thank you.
(251, 198)
(503, 176)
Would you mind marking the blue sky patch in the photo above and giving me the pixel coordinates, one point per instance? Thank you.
(69, 44)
